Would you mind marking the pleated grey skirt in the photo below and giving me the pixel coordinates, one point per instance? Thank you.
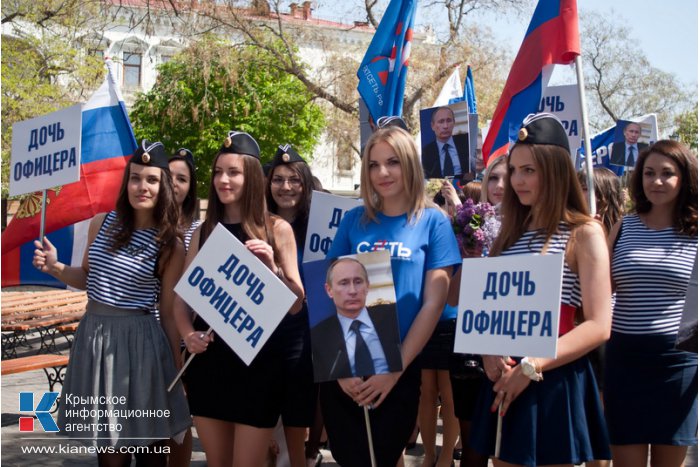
(115, 389)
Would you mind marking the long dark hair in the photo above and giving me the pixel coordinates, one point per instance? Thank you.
(560, 199)
(188, 210)
(165, 214)
(301, 219)
(685, 213)
(608, 195)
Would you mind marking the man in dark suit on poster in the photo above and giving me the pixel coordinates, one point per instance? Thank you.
(625, 153)
(356, 340)
(434, 158)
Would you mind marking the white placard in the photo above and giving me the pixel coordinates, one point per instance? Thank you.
(46, 151)
(563, 101)
(235, 293)
(509, 305)
(324, 218)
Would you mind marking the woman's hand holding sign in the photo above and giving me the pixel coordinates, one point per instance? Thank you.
(45, 256)
(495, 366)
(374, 390)
(350, 386)
(508, 388)
(262, 250)
(197, 341)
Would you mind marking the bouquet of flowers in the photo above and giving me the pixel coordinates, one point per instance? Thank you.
(476, 227)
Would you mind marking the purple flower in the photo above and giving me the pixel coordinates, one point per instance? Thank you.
(476, 227)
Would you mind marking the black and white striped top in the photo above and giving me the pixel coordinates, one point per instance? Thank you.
(651, 270)
(531, 243)
(125, 278)
(190, 231)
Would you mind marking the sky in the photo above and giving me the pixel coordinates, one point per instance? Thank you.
(667, 30)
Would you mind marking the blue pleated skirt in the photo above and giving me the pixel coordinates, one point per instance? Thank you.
(651, 391)
(556, 421)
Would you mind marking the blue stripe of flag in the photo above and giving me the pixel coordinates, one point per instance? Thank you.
(106, 133)
(546, 10)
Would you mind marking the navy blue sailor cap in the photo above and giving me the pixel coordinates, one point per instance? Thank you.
(150, 154)
(543, 128)
(240, 142)
(285, 155)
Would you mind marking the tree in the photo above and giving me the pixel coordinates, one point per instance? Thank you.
(687, 127)
(621, 82)
(263, 26)
(212, 87)
(44, 62)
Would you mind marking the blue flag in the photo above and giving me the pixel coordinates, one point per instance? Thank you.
(383, 70)
(600, 148)
(469, 94)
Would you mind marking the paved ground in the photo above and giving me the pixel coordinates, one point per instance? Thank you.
(15, 443)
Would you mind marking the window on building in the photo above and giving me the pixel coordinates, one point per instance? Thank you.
(97, 53)
(132, 69)
(165, 58)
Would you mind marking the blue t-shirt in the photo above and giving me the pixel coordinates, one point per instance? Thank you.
(448, 313)
(415, 249)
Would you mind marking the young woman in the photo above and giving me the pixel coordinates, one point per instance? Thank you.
(609, 199)
(121, 353)
(551, 413)
(396, 216)
(609, 202)
(651, 389)
(466, 377)
(183, 173)
(494, 181)
(185, 183)
(436, 392)
(289, 187)
(235, 406)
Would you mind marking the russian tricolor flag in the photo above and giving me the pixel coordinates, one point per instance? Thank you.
(107, 143)
(551, 38)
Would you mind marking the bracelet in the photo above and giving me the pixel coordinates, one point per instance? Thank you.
(531, 368)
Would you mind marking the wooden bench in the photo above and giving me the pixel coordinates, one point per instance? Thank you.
(43, 311)
(68, 331)
(11, 298)
(54, 367)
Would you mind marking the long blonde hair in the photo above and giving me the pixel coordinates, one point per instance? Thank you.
(406, 151)
(487, 174)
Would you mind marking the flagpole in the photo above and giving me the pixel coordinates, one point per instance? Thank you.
(586, 136)
(42, 225)
(372, 459)
(499, 432)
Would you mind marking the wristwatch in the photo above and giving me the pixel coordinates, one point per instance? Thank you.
(530, 369)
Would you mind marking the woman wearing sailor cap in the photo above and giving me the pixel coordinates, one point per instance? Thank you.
(550, 409)
(236, 406)
(121, 353)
